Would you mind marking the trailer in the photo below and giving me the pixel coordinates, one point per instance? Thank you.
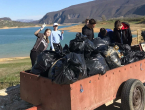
(125, 83)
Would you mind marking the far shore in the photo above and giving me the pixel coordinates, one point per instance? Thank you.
(34, 26)
(18, 27)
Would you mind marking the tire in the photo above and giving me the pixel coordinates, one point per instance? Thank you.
(133, 95)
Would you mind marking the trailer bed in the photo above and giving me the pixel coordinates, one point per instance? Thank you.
(85, 94)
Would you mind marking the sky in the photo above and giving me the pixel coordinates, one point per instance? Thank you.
(33, 9)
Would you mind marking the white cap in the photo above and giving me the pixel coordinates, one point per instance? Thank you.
(55, 24)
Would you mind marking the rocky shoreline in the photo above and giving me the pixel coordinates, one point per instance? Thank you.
(10, 99)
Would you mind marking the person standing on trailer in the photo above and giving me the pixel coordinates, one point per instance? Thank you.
(106, 34)
(122, 33)
(41, 43)
(88, 29)
(55, 38)
(86, 22)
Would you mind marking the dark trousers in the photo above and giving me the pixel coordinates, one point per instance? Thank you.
(33, 56)
(57, 47)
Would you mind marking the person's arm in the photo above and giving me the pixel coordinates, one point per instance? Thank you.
(129, 37)
(99, 35)
(84, 31)
(42, 27)
(114, 36)
(93, 33)
(61, 37)
(36, 33)
(51, 41)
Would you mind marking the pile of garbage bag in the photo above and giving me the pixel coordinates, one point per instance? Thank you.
(124, 48)
(96, 64)
(44, 61)
(66, 49)
(100, 44)
(68, 69)
(84, 58)
(132, 56)
(77, 45)
(112, 57)
(89, 48)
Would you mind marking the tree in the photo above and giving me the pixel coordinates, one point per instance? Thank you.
(103, 18)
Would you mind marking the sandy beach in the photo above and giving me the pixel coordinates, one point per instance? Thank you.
(78, 28)
(11, 59)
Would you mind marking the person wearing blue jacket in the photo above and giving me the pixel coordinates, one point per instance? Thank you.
(106, 33)
(55, 38)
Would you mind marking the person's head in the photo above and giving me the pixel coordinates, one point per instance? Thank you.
(118, 25)
(92, 23)
(87, 21)
(103, 32)
(55, 26)
(47, 32)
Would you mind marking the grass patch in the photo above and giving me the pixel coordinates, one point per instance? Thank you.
(110, 23)
(10, 71)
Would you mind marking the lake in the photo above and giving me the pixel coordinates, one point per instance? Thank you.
(18, 42)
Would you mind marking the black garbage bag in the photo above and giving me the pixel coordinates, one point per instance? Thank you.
(124, 48)
(81, 36)
(100, 44)
(44, 61)
(132, 56)
(66, 49)
(69, 69)
(112, 58)
(60, 73)
(140, 54)
(89, 48)
(129, 58)
(96, 65)
(107, 40)
(77, 45)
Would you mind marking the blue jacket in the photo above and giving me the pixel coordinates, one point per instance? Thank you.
(109, 34)
(55, 37)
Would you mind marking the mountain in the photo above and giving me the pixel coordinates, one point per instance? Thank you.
(6, 18)
(95, 9)
(25, 20)
(9, 23)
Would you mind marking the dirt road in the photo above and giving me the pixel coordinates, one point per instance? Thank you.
(115, 106)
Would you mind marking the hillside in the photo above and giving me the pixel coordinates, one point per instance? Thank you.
(8, 23)
(95, 9)
(6, 18)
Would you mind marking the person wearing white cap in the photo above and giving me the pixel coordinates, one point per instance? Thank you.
(55, 38)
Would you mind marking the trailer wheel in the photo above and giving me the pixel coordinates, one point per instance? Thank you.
(133, 95)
